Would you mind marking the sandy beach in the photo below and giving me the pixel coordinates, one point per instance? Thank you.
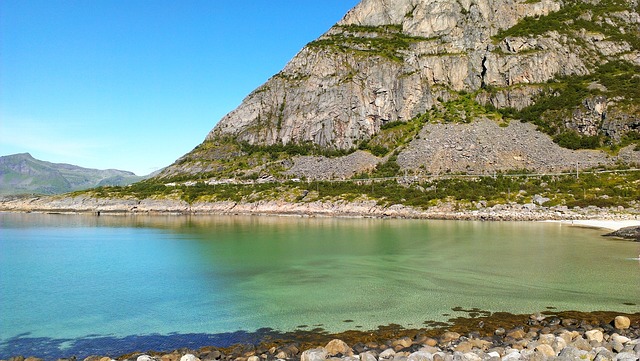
(608, 224)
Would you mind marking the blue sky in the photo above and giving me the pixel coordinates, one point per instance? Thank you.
(135, 84)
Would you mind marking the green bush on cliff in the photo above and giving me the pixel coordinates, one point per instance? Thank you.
(386, 41)
(564, 94)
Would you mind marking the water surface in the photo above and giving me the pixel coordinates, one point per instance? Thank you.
(69, 277)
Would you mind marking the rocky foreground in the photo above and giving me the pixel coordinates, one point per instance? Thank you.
(598, 336)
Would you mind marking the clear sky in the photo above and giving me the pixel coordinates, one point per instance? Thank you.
(135, 84)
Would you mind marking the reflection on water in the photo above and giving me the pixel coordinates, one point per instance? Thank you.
(71, 276)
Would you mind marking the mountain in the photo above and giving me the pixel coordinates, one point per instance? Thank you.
(23, 174)
(440, 86)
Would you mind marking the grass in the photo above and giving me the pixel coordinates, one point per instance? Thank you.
(599, 189)
(387, 41)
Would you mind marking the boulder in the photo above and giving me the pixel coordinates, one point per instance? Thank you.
(338, 347)
(449, 336)
(420, 356)
(387, 354)
(594, 335)
(632, 233)
(403, 342)
(368, 356)
(622, 322)
(191, 357)
(314, 354)
(545, 350)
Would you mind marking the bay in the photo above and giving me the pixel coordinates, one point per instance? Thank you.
(72, 277)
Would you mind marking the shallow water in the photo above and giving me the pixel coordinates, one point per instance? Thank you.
(68, 277)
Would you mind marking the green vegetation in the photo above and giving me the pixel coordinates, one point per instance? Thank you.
(598, 189)
(462, 108)
(572, 17)
(387, 41)
(393, 135)
(565, 94)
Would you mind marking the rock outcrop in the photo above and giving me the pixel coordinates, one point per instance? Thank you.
(395, 60)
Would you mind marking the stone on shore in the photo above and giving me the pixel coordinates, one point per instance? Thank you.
(621, 322)
(545, 350)
(189, 357)
(314, 354)
(594, 335)
(449, 336)
(338, 347)
(401, 343)
(632, 233)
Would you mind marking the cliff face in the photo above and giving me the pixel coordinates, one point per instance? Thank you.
(566, 66)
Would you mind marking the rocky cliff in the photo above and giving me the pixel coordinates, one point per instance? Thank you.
(442, 85)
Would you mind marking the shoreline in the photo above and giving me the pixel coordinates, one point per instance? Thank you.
(480, 335)
(605, 224)
(593, 217)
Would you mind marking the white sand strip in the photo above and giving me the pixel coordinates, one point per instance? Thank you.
(613, 225)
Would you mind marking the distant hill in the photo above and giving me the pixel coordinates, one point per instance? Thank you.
(23, 174)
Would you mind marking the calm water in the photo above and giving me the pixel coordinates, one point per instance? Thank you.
(72, 278)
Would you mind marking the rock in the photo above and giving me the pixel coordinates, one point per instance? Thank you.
(547, 339)
(470, 356)
(512, 356)
(250, 358)
(540, 200)
(387, 354)
(626, 356)
(616, 346)
(618, 338)
(559, 344)
(464, 347)
(338, 347)
(572, 353)
(368, 356)
(545, 350)
(315, 354)
(632, 233)
(581, 344)
(190, 357)
(594, 335)
(174, 356)
(604, 354)
(449, 336)
(425, 53)
(215, 355)
(145, 358)
(430, 342)
(622, 322)
(420, 356)
(403, 342)
(516, 334)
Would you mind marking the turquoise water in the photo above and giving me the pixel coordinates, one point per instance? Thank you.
(68, 277)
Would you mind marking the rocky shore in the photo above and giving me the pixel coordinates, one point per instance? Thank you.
(598, 336)
(499, 212)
